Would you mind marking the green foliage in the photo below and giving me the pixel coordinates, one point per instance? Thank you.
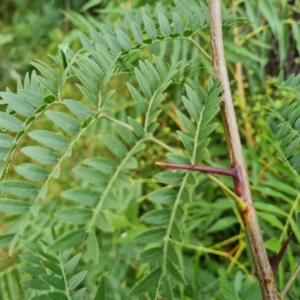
(79, 140)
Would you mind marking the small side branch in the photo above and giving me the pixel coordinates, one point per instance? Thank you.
(232, 172)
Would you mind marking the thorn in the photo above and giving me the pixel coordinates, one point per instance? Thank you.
(232, 172)
(278, 258)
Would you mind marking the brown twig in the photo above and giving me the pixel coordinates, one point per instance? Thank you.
(259, 254)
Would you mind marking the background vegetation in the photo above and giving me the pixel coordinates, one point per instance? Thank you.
(211, 256)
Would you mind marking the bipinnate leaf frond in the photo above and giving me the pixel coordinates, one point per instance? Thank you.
(102, 182)
(52, 273)
(201, 106)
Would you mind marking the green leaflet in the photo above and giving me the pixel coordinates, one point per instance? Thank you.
(103, 221)
(223, 224)
(175, 272)
(158, 216)
(150, 255)
(137, 127)
(114, 145)
(55, 268)
(271, 208)
(151, 78)
(143, 83)
(48, 84)
(150, 27)
(16, 103)
(105, 291)
(123, 181)
(49, 257)
(178, 24)
(137, 33)
(32, 172)
(79, 294)
(170, 177)
(173, 255)
(123, 39)
(80, 110)
(137, 98)
(18, 188)
(41, 297)
(10, 122)
(3, 153)
(273, 244)
(6, 141)
(191, 108)
(40, 154)
(92, 251)
(5, 239)
(186, 122)
(131, 163)
(75, 215)
(47, 71)
(92, 97)
(273, 220)
(72, 263)
(91, 176)
(164, 24)
(104, 165)
(88, 67)
(87, 81)
(154, 76)
(113, 44)
(54, 281)
(178, 158)
(163, 196)
(57, 296)
(31, 258)
(35, 271)
(147, 282)
(106, 97)
(68, 240)
(66, 123)
(76, 279)
(33, 97)
(186, 140)
(84, 197)
(151, 236)
(50, 139)
(36, 284)
(167, 288)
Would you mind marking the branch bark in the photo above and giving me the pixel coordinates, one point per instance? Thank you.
(241, 182)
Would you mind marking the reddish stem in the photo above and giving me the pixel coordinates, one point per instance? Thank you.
(232, 172)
